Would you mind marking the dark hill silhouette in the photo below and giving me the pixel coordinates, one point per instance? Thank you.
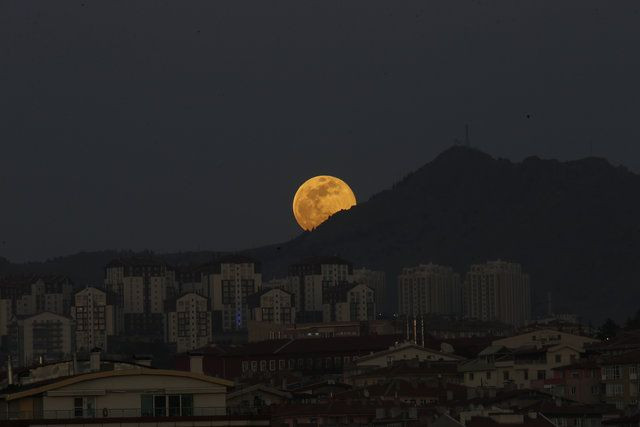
(574, 226)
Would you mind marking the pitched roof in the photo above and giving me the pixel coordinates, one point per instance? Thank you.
(404, 346)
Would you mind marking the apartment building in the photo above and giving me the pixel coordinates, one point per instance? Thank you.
(273, 306)
(47, 335)
(429, 289)
(621, 385)
(140, 286)
(525, 360)
(229, 282)
(348, 303)
(189, 322)
(497, 290)
(312, 280)
(376, 280)
(46, 293)
(94, 319)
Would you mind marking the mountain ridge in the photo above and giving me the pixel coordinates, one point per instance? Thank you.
(571, 224)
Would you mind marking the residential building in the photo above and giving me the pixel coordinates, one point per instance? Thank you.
(93, 318)
(140, 286)
(621, 385)
(46, 335)
(273, 306)
(51, 293)
(230, 280)
(429, 289)
(348, 303)
(542, 337)
(189, 322)
(312, 280)
(261, 331)
(497, 290)
(125, 395)
(579, 381)
(525, 360)
(376, 280)
(6, 313)
(401, 352)
(326, 356)
(256, 396)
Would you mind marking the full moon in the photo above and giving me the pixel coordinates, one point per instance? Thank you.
(319, 198)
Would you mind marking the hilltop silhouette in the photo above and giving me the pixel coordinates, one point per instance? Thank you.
(574, 226)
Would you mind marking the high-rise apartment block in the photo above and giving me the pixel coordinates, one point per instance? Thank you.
(312, 281)
(497, 290)
(273, 306)
(376, 280)
(46, 335)
(350, 303)
(229, 281)
(140, 286)
(189, 322)
(45, 293)
(94, 319)
(429, 289)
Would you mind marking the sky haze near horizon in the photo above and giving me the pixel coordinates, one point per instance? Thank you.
(183, 126)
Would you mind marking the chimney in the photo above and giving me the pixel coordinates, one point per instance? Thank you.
(195, 363)
(94, 359)
(9, 371)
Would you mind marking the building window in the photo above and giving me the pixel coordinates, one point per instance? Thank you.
(505, 375)
(272, 365)
(245, 366)
(542, 374)
(162, 405)
(558, 358)
(254, 366)
(282, 365)
(470, 376)
(614, 390)
(263, 365)
(488, 375)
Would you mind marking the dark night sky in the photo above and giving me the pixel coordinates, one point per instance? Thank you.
(177, 125)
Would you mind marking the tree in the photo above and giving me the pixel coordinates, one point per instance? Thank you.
(608, 330)
(633, 322)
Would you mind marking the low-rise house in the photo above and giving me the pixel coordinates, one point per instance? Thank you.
(500, 365)
(579, 381)
(328, 413)
(409, 370)
(139, 392)
(572, 415)
(409, 392)
(545, 337)
(256, 397)
(620, 380)
(407, 350)
(262, 331)
(510, 420)
(322, 356)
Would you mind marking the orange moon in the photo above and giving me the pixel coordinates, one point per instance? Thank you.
(319, 198)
